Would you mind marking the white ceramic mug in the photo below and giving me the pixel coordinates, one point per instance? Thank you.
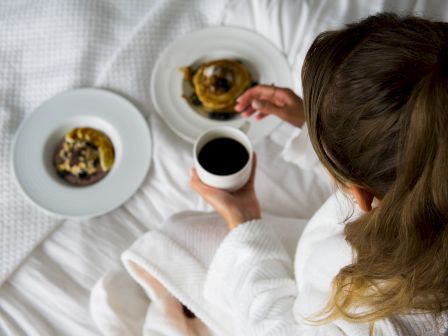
(230, 182)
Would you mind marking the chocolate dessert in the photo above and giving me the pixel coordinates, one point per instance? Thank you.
(83, 157)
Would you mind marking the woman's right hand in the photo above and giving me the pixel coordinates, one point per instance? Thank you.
(235, 207)
(267, 99)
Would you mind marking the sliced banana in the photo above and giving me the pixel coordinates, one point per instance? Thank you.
(99, 140)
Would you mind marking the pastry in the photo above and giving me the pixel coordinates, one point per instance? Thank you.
(217, 84)
(84, 156)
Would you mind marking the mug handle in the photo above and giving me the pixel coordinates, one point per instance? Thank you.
(244, 127)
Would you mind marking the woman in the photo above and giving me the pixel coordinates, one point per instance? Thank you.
(376, 106)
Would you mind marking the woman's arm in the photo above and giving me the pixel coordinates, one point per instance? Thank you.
(264, 100)
(252, 276)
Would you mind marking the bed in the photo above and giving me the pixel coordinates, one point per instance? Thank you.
(50, 264)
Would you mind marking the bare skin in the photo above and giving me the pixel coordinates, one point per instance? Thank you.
(235, 207)
(262, 100)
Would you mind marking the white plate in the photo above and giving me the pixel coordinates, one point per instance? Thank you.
(45, 127)
(266, 62)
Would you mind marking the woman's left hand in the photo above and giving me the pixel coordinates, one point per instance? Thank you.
(235, 207)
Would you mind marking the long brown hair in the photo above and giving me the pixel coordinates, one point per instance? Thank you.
(376, 103)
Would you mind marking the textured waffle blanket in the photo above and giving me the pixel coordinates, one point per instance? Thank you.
(50, 47)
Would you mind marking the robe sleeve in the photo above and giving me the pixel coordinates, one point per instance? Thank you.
(251, 276)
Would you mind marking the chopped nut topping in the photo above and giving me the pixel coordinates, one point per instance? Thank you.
(87, 157)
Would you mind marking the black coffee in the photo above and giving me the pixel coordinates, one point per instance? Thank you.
(223, 156)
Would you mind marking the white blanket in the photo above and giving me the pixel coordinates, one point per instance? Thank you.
(50, 47)
(46, 48)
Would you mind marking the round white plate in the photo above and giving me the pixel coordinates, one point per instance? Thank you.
(46, 126)
(266, 63)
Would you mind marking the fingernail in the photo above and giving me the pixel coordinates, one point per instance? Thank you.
(256, 104)
(239, 98)
(238, 108)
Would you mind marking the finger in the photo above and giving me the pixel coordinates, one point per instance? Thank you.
(251, 181)
(254, 168)
(205, 191)
(248, 112)
(260, 116)
(256, 92)
(266, 108)
(278, 95)
(197, 184)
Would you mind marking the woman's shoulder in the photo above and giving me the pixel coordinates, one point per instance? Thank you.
(322, 250)
(323, 238)
(337, 210)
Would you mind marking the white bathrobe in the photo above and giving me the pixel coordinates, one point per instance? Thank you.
(266, 277)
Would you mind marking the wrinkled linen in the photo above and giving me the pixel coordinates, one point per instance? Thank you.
(46, 48)
(250, 281)
(49, 293)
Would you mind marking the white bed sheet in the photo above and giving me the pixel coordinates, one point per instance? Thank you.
(47, 47)
(49, 293)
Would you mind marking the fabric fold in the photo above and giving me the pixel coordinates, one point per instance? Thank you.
(299, 150)
(155, 255)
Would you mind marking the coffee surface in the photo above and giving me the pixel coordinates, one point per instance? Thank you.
(223, 156)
